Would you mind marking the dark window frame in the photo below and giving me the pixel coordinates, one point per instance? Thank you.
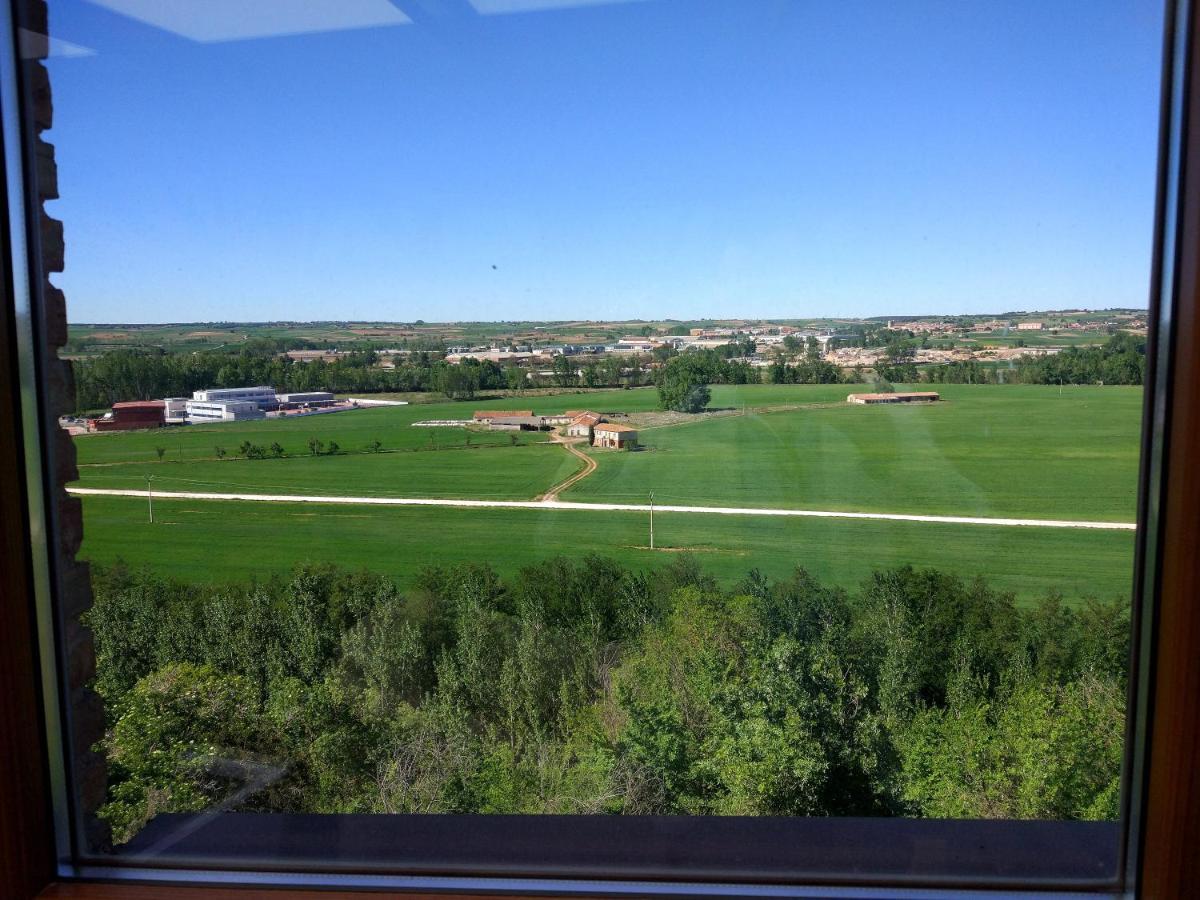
(1162, 801)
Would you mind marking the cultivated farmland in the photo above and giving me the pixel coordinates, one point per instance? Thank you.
(1020, 451)
(232, 541)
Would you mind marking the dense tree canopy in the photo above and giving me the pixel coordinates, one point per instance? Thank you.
(583, 687)
(683, 384)
(1120, 360)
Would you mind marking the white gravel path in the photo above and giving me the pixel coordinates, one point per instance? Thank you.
(613, 507)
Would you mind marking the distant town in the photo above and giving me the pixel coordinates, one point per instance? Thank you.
(421, 357)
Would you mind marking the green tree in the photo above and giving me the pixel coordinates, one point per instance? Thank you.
(457, 382)
(277, 450)
(160, 451)
(514, 378)
(564, 371)
(188, 738)
(1036, 751)
(682, 385)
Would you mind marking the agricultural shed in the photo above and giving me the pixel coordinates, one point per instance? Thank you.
(909, 397)
(485, 416)
(518, 423)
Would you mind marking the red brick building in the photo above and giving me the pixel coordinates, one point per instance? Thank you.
(130, 416)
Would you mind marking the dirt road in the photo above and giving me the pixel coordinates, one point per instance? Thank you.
(589, 466)
(610, 507)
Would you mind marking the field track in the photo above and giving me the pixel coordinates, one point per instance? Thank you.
(615, 507)
(589, 466)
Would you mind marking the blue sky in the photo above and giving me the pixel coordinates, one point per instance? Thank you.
(657, 158)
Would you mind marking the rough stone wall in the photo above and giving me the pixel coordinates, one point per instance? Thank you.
(86, 719)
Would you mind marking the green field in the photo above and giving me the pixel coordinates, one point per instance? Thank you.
(228, 541)
(1026, 451)
(1021, 451)
(988, 450)
(415, 462)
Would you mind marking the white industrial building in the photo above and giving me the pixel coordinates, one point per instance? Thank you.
(307, 398)
(200, 412)
(175, 410)
(262, 397)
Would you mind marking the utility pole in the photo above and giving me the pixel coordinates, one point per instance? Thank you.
(652, 520)
(150, 497)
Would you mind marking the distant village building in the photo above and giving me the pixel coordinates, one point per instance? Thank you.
(910, 397)
(496, 356)
(614, 437)
(307, 356)
(1030, 326)
(634, 345)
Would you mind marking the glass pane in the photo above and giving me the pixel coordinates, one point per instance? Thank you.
(613, 409)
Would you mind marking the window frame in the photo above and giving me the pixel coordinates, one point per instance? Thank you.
(1161, 804)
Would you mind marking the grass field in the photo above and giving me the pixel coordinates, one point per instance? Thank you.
(1020, 451)
(220, 541)
(1010, 450)
(1023, 451)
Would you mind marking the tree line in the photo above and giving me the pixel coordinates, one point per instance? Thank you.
(1119, 360)
(582, 686)
(120, 375)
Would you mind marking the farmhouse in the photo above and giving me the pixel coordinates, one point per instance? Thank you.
(582, 424)
(1030, 326)
(614, 437)
(911, 397)
(485, 416)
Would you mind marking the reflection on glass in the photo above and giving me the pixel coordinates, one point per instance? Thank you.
(531, 406)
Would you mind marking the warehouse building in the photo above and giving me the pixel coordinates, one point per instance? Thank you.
(910, 397)
(261, 396)
(518, 423)
(175, 410)
(307, 398)
(200, 412)
(130, 416)
(485, 416)
(614, 437)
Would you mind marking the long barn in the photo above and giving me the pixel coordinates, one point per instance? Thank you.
(909, 397)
